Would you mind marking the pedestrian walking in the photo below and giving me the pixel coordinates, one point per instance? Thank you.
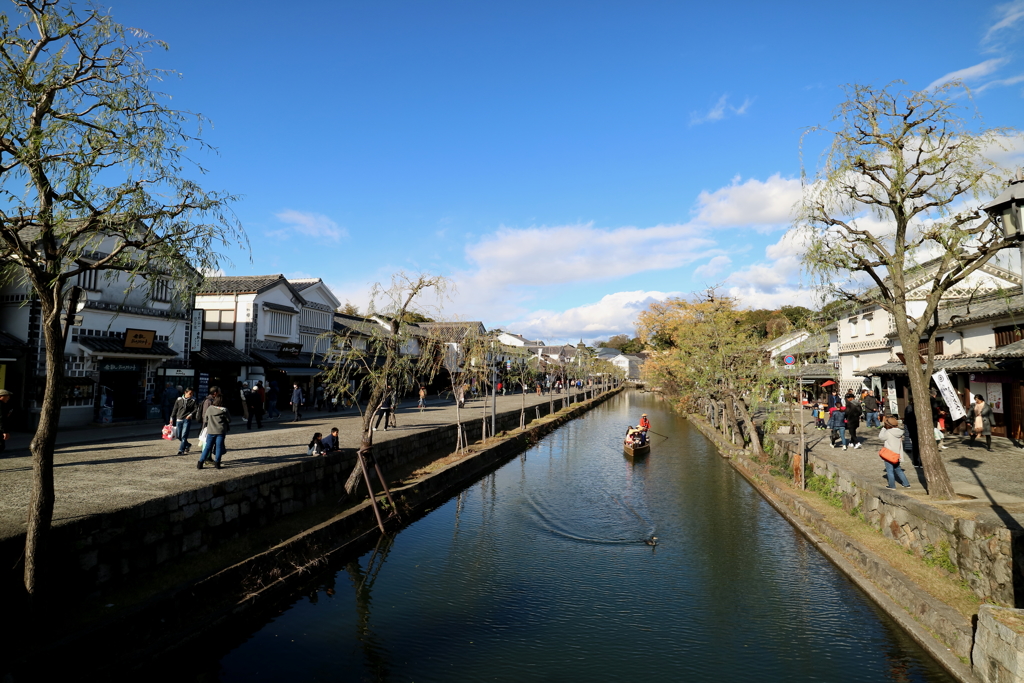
(273, 396)
(216, 422)
(423, 398)
(384, 410)
(982, 423)
(892, 439)
(255, 406)
(298, 400)
(853, 413)
(184, 411)
(212, 393)
(262, 393)
(5, 418)
(870, 409)
(243, 390)
(837, 423)
(318, 394)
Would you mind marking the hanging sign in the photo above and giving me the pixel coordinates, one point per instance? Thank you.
(891, 397)
(949, 395)
(995, 396)
(197, 330)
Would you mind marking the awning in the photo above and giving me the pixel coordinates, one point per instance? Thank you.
(113, 347)
(970, 364)
(220, 351)
(301, 372)
(827, 384)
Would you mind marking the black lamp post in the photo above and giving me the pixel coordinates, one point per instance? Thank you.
(1007, 212)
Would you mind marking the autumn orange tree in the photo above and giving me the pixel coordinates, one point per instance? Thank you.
(705, 360)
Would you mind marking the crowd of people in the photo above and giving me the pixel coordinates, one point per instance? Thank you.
(842, 415)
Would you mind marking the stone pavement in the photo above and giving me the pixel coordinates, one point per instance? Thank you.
(993, 477)
(103, 470)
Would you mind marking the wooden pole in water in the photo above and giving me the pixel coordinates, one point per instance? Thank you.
(369, 487)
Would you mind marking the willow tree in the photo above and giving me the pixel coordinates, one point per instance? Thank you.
(705, 360)
(96, 174)
(896, 199)
(386, 354)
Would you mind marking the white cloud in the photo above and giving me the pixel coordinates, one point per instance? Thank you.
(969, 73)
(1009, 14)
(713, 267)
(1000, 82)
(720, 110)
(540, 256)
(308, 224)
(776, 281)
(769, 203)
(613, 314)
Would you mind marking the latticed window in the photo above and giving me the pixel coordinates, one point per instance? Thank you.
(279, 324)
(89, 279)
(1008, 335)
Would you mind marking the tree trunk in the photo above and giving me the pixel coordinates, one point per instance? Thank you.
(939, 484)
(755, 441)
(40, 507)
(733, 424)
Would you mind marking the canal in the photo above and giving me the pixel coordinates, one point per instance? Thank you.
(540, 572)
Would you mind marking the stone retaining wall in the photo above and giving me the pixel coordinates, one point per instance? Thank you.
(987, 556)
(100, 549)
(999, 645)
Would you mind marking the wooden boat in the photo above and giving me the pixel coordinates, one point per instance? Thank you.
(637, 451)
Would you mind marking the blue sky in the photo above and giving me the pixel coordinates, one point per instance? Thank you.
(565, 163)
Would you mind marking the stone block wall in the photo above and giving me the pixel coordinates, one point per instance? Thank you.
(998, 654)
(94, 551)
(987, 556)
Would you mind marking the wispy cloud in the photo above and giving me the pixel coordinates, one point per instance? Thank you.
(970, 73)
(764, 205)
(720, 110)
(713, 267)
(612, 314)
(1009, 14)
(307, 224)
(1013, 80)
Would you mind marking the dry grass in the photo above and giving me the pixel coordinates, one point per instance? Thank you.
(1010, 619)
(935, 581)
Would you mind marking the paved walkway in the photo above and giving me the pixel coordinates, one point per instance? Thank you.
(991, 477)
(107, 469)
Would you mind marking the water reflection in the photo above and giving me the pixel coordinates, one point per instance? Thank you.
(539, 571)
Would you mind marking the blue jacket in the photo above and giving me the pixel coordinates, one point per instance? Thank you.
(297, 397)
(837, 419)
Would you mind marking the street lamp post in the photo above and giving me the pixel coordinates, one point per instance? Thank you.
(1007, 211)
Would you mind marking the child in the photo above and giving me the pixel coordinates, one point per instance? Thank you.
(316, 446)
(819, 414)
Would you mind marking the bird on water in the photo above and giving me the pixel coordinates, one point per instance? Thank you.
(652, 541)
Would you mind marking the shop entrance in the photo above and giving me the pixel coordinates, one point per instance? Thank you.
(121, 389)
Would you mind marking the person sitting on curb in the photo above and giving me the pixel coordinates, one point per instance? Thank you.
(332, 442)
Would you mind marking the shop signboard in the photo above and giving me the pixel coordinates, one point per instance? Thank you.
(197, 330)
(119, 366)
(139, 339)
(204, 384)
(179, 372)
(949, 395)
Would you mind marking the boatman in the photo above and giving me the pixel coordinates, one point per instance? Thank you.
(645, 424)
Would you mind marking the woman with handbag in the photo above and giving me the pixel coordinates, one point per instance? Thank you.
(892, 452)
(982, 423)
(216, 423)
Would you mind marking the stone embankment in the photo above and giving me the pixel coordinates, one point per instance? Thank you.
(173, 531)
(983, 553)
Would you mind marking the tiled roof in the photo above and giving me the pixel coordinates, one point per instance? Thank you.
(958, 364)
(220, 351)
(347, 324)
(10, 341)
(239, 284)
(116, 345)
(304, 283)
(1014, 350)
(809, 371)
(279, 307)
(272, 359)
(451, 331)
(817, 343)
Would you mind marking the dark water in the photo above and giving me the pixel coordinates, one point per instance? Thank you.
(539, 573)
